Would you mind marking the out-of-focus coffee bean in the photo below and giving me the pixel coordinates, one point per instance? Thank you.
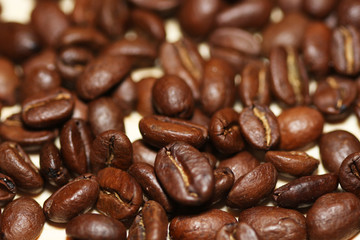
(348, 13)
(236, 59)
(320, 8)
(85, 12)
(9, 82)
(288, 6)
(125, 96)
(44, 59)
(162, 6)
(144, 105)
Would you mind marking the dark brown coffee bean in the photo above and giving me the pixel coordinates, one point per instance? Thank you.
(125, 96)
(81, 109)
(316, 48)
(143, 153)
(144, 174)
(319, 9)
(22, 219)
(249, 189)
(259, 127)
(144, 105)
(240, 164)
(255, 84)
(345, 50)
(197, 18)
(172, 97)
(203, 226)
(47, 109)
(236, 231)
(9, 82)
(289, 81)
(182, 59)
(237, 39)
(199, 117)
(274, 223)
(15, 163)
(157, 5)
(294, 135)
(113, 17)
(49, 21)
(245, 14)
(52, 167)
(296, 163)
(224, 180)
(159, 131)
(111, 148)
(102, 74)
(334, 216)
(284, 33)
(211, 159)
(347, 13)
(357, 100)
(13, 130)
(224, 131)
(120, 195)
(184, 173)
(288, 6)
(72, 199)
(236, 59)
(105, 115)
(19, 41)
(335, 146)
(7, 189)
(305, 190)
(44, 59)
(85, 12)
(217, 90)
(334, 97)
(349, 176)
(150, 223)
(95, 227)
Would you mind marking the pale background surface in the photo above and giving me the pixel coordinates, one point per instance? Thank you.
(18, 10)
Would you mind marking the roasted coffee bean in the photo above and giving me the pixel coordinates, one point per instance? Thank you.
(81, 109)
(288, 6)
(120, 195)
(254, 87)
(199, 117)
(13, 130)
(40, 80)
(245, 14)
(305, 190)
(349, 176)
(144, 105)
(237, 39)
(75, 141)
(102, 74)
(125, 96)
(172, 97)
(150, 223)
(159, 131)
(224, 180)
(357, 100)
(105, 115)
(299, 126)
(182, 59)
(334, 97)
(184, 173)
(259, 127)
(85, 12)
(19, 41)
(197, 18)
(236, 59)
(321, 8)
(47, 109)
(144, 174)
(22, 219)
(143, 153)
(236, 231)
(140, 51)
(296, 163)
(254, 186)
(111, 148)
(224, 131)
(9, 82)
(202, 226)
(7, 189)
(211, 158)
(72, 199)
(274, 223)
(52, 166)
(284, 33)
(316, 48)
(347, 13)
(157, 5)
(49, 21)
(45, 59)
(289, 81)
(334, 216)
(95, 227)
(335, 146)
(217, 90)
(15, 163)
(240, 164)
(345, 50)
(113, 17)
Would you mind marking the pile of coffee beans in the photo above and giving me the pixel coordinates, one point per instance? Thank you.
(213, 153)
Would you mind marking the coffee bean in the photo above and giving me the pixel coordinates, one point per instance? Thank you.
(320, 9)
(85, 12)
(9, 82)
(347, 13)
(144, 105)
(349, 173)
(236, 231)
(44, 59)
(224, 180)
(125, 96)
(161, 6)
(143, 152)
(7, 189)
